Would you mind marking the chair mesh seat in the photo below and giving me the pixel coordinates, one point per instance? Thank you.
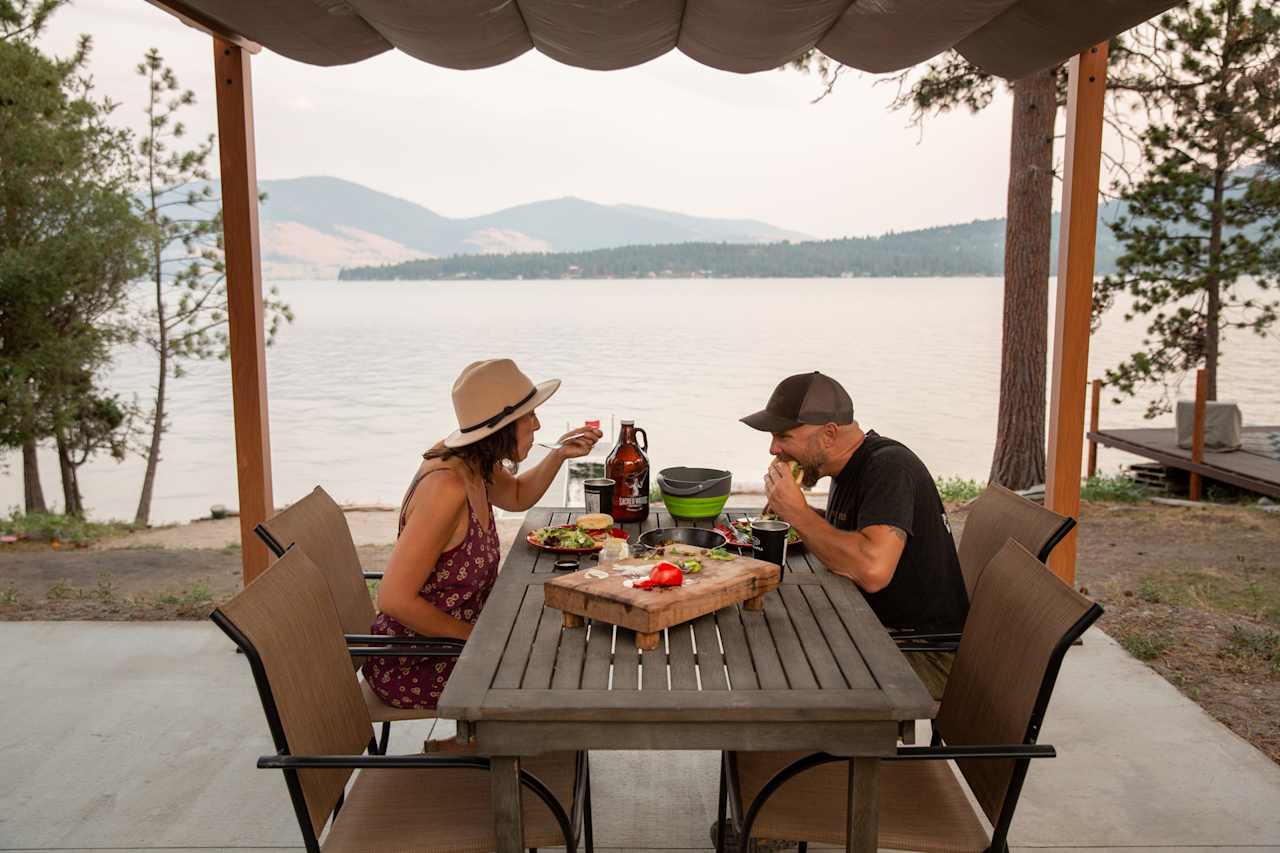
(922, 806)
(442, 810)
(381, 712)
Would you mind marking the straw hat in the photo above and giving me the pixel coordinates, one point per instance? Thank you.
(491, 394)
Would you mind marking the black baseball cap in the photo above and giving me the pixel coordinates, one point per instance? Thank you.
(806, 398)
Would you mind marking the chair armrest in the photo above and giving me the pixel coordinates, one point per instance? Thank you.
(912, 637)
(373, 576)
(912, 646)
(1015, 750)
(418, 651)
(385, 640)
(312, 762)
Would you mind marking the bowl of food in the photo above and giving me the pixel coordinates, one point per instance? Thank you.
(694, 492)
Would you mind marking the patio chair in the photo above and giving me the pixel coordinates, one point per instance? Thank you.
(318, 526)
(995, 517)
(1022, 621)
(286, 624)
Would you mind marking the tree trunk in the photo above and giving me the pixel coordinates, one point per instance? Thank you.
(143, 515)
(74, 505)
(1213, 304)
(33, 493)
(1018, 461)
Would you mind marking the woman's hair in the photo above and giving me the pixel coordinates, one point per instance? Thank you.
(484, 455)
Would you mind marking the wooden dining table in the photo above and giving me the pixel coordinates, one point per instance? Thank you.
(814, 670)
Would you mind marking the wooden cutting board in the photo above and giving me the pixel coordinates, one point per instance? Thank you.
(719, 584)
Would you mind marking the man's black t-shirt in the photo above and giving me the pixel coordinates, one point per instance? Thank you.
(885, 483)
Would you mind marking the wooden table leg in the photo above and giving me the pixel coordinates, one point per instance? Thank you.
(573, 620)
(504, 793)
(646, 642)
(864, 805)
(756, 603)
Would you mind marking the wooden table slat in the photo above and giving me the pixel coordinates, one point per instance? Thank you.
(626, 660)
(737, 657)
(515, 657)
(682, 660)
(816, 648)
(542, 658)
(569, 658)
(764, 655)
(710, 659)
(842, 648)
(595, 671)
(794, 662)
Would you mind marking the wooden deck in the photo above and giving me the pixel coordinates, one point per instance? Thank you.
(1251, 467)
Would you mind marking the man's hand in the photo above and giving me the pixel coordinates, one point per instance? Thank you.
(578, 442)
(784, 496)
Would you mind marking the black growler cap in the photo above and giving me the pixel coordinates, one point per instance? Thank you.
(806, 398)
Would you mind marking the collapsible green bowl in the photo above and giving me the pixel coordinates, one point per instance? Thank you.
(694, 507)
(694, 492)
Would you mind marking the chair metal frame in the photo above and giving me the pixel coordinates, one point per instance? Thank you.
(1022, 754)
(290, 764)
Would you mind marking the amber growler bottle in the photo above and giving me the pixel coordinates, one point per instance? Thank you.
(628, 466)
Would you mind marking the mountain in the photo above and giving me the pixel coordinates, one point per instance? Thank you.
(971, 249)
(311, 227)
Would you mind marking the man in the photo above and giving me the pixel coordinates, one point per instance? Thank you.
(884, 528)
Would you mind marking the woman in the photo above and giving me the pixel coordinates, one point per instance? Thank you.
(446, 555)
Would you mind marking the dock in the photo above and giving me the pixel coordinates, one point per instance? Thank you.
(1255, 466)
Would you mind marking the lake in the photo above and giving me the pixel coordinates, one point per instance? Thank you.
(359, 384)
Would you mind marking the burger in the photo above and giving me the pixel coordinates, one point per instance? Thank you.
(596, 522)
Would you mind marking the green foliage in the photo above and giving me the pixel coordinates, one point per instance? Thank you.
(1205, 212)
(958, 489)
(1114, 488)
(69, 244)
(69, 529)
(1146, 645)
(196, 595)
(10, 595)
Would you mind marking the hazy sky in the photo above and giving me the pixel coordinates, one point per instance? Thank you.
(672, 133)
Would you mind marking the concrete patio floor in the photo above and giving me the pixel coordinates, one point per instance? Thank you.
(143, 736)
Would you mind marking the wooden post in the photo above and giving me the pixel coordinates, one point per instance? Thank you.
(1076, 238)
(244, 297)
(1094, 399)
(1197, 431)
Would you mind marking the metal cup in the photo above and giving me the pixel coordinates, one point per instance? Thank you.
(769, 541)
(567, 564)
(598, 494)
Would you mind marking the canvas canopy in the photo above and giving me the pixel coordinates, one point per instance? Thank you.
(1009, 38)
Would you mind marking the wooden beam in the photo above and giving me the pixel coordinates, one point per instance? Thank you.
(1197, 431)
(198, 20)
(1076, 244)
(1095, 398)
(244, 297)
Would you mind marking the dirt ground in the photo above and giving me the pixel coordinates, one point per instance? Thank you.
(1194, 592)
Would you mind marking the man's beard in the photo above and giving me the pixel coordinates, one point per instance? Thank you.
(812, 469)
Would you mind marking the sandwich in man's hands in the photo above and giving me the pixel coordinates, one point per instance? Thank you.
(797, 472)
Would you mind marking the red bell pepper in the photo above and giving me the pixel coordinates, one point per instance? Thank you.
(663, 574)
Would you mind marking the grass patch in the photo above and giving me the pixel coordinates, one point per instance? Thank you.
(1253, 593)
(958, 489)
(1113, 488)
(50, 527)
(10, 595)
(373, 588)
(106, 588)
(193, 596)
(1257, 643)
(61, 589)
(1145, 645)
